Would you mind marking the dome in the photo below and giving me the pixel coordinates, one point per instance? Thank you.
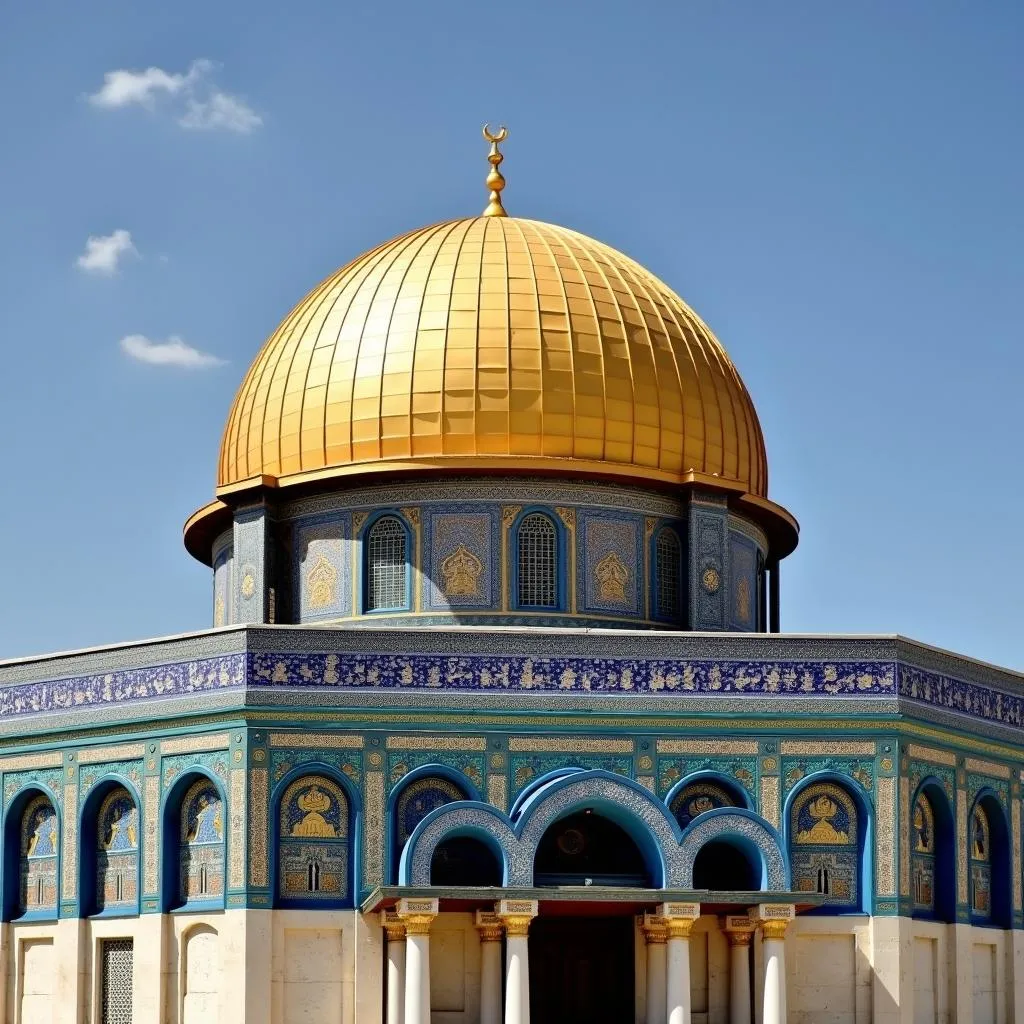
(493, 344)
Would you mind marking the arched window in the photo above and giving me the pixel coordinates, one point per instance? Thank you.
(313, 842)
(537, 562)
(117, 852)
(387, 571)
(201, 845)
(667, 575)
(415, 801)
(826, 845)
(700, 796)
(37, 882)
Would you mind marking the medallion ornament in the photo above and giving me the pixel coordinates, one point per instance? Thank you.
(461, 571)
(322, 583)
(612, 577)
(710, 580)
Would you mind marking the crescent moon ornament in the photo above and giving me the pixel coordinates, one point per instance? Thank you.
(501, 136)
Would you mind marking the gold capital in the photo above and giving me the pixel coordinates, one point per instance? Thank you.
(740, 938)
(679, 927)
(495, 180)
(418, 924)
(516, 925)
(655, 930)
(774, 929)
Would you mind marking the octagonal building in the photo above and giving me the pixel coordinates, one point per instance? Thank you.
(494, 722)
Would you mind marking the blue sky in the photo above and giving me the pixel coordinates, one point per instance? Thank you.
(834, 187)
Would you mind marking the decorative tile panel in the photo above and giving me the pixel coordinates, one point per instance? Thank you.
(259, 807)
(947, 757)
(124, 752)
(771, 808)
(463, 551)
(373, 842)
(435, 743)
(997, 771)
(317, 740)
(828, 747)
(194, 744)
(610, 560)
(722, 746)
(151, 834)
(322, 568)
(236, 816)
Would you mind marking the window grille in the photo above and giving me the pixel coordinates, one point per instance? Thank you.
(116, 983)
(667, 557)
(386, 566)
(538, 562)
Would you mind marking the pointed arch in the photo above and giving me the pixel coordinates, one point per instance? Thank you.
(703, 791)
(110, 838)
(195, 824)
(932, 852)
(988, 851)
(32, 832)
(743, 830)
(827, 822)
(315, 835)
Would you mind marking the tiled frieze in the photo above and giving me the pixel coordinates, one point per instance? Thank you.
(122, 752)
(400, 763)
(742, 769)
(979, 767)
(194, 744)
(26, 762)
(861, 770)
(417, 742)
(829, 748)
(722, 746)
(317, 741)
(935, 756)
(570, 745)
(527, 767)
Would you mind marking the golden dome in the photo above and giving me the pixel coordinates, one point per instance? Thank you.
(494, 344)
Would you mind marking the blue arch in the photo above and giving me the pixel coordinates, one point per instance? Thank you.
(425, 771)
(999, 842)
(87, 896)
(410, 561)
(11, 832)
(945, 849)
(745, 829)
(652, 560)
(710, 775)
(475, 819)
(170, 827)
(537, 784)
(355, 814)
(865, 834)
(561, 561)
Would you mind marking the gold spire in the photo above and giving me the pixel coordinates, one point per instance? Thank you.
(495, 180)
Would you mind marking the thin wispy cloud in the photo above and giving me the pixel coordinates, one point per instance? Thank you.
(192, 97)
(103, 253)
(172, 352)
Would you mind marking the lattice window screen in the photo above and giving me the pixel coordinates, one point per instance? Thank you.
(118, 956)
(386, 565)
(538, 562)
(667, 574)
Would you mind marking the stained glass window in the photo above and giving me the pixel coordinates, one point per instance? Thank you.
(386, 566)
(537, 569)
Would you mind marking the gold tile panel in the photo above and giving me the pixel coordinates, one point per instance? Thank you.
(997, 771)
(568, 745)
(707, 746)
(828, 747)
(946, 757)
(494, 342)
(435, 743)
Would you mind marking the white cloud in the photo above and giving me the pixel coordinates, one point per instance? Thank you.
(122, 88)
(103, 252)
(221, 111)
(172, 352)
(195, 98)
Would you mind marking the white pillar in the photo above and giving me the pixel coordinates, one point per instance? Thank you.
(656, 934)
(395, 930)
(490, 928)
(740, 931)
(417, 916)
(679, 919)
(774, 918)
(516, 916)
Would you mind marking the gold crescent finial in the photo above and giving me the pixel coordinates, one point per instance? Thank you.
(495, 180)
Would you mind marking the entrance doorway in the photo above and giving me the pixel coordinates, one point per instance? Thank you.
(581, 970)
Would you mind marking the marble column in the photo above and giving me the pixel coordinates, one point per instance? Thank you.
(774, 919)
(516, 916)
(740, 932)
(679, 921)
(394, 928)
(656, 934)
(490, 929)
(417, 916)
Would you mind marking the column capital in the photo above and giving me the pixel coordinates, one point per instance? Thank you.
(655, 929)
(417, 915)
(393, 926)
(489, 926)
(739, 928)
(516, 915)
(774, 918)
(679, 918)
